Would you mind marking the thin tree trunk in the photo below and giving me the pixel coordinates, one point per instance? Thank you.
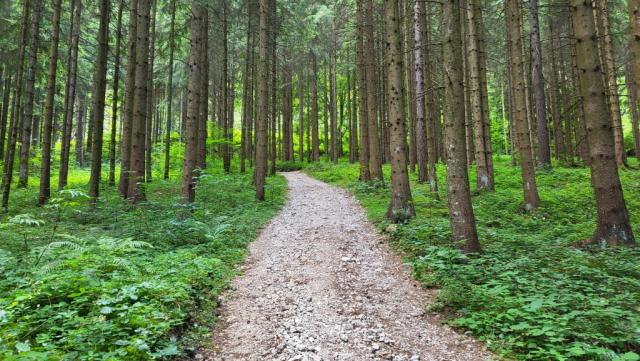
(203, 131)
(167, 139)
(27, 116)
(5, 114)
(333, 59)
(375, 160)
(45, 170)
(365, 174)
(260, 169)
(149, 119)
(82, 108)
(16, 109)
(544, 151)
(420, 128)
(314, 128)
(463, 224)
(300, 117)
(613, 219)
(513, 18)
(432, 123)
(70, 93)
(100, 84)
(114, 105)
(633, 104)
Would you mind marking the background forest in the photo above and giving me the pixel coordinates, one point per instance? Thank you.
(495, 142)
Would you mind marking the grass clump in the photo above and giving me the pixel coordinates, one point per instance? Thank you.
(531, 294)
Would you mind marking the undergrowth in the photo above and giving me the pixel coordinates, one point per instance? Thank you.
(123, 282)
(531, 295)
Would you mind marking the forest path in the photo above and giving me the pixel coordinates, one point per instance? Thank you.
(321, 284)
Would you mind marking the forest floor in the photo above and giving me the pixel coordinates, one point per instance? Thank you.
(321, 284)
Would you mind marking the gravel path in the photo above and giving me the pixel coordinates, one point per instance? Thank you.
(320, 284)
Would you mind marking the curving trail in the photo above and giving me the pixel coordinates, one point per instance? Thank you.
(320, 284)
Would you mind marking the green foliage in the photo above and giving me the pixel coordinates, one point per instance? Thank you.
(123, 282)
(290, 166)
(531, 295)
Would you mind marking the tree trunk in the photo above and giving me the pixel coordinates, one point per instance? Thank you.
(401, 208)
(27, 116)
(432, 123)
(149, 119)
(375, 160)
(612, 80)
(167, 138)
(544, 152)
(463, 224)
(365, 174)
(7, 174)
(47, 129)
(613, 219)
(554, 95)
(482, 139)
(135, 188)
(203, 131)
(300, 117)
(189, 168)
(82, 108)
(5, 113)
(127, 128)
(633, 104)
(634, 46)
(260, 169)
(70, 92)
(114, 105)
(100, 84)
(314, 128)
(420, 128)
(333, 59)
(531, 197)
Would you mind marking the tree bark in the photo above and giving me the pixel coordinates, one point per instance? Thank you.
(365, 174)
(375, 160)
(633, 105)
(70, 93)
(114, 105)
(100, 84)
(420, 128)
(135, 188)
(634, 46)
(463, 224)
(7, 174)
(612, 82)
(260, 169)
(126, 138)
(5, 113)
(314, 128)
(47, 129)
(531, 197)
(544, 151)
(482, 139)
(149, 118)
(613, 219)
(401, 208)
(169, 125)
(189, 168)
(27, 116)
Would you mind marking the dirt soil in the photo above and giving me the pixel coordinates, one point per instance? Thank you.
(321, 284)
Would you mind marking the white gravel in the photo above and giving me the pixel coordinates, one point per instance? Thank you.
(321, 284)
